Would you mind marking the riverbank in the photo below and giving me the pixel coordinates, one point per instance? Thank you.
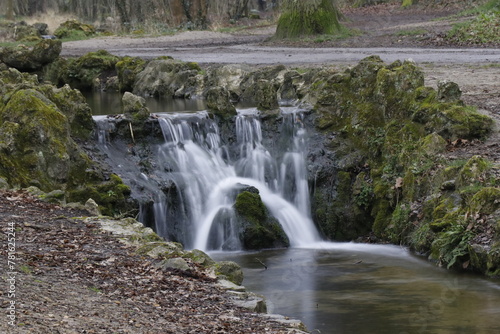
(71, 276)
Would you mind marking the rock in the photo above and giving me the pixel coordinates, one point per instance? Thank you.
(168, 78)
(258, 228)
(219, 103)
(230, 270)
(43, 28)
(25, 32)
(448, 91)
(71, 28)
(261, 86)
(127, 69)
(29, 59)
(84, 73)
(229, 77)
(134, 107)
(175, 263)
(92, 207)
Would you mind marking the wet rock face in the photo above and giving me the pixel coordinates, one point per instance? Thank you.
(30, 59)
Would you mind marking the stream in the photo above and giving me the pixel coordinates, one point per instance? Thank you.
(331, 287)
(348, 288)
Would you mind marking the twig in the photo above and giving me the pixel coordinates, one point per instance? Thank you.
(131, 132)
(261, 263)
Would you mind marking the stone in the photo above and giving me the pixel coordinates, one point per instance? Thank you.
(134, 107)
(175, 263)
(231, 271)
(219, 103)
(166, 77)
(92, 207)
(448, 91)
(25, 58)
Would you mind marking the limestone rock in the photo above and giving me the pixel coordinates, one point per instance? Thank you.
(168, 78)
(231, 271)
(449, 91)
(218, 102)
(26, 58)
(134, 107)
(92, 207)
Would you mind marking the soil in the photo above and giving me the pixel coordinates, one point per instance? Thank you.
(74, 278)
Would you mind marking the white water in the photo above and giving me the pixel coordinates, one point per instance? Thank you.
(209, 178)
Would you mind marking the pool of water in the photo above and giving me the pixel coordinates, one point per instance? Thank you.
(109, 103)
(348, 288)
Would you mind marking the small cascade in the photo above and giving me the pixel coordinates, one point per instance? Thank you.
(197, 179)
(104, 127)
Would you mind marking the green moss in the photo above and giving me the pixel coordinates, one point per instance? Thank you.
(259, 229)
(83, 73)
(127, 69)
(473, 171)
(451, 247)
(486, 200)
(303, 18)
(111, 196)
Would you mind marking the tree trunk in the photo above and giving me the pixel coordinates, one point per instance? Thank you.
(10, 10)
(306, 18)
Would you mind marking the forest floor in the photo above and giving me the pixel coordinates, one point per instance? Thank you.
(70, 276)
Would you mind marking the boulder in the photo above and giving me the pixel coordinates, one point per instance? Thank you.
(30, 59)
(168, 78)
(219, 102)
(258, 228)
(134, 107)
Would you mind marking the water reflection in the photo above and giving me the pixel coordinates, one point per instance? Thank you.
(109, 103)
(380, 289)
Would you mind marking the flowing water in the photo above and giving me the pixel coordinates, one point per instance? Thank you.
(332, 287)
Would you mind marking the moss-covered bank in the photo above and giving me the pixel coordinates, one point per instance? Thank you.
(385, 135)
(40, 125)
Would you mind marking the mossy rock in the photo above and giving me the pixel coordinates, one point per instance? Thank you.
(472, 172)
(229, 270)
(134, 108)
(111, 195)
(259, 229)
(71, 27)
(35, 139)
(127, 69)
(166, 77)
(86, 72)
(486, 200)
(25, 58)
(219, 102)
(73, 105)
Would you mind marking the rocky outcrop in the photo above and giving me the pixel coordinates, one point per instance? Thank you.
(379, 165)
(73, 28)
(39, 126)
(29, 59)
(164, 77)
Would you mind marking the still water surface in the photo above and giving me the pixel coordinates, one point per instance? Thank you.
(348, 288)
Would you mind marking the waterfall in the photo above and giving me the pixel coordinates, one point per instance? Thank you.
(201, 176)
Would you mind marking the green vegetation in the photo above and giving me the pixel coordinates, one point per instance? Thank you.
(383, 117)
(411, 32)
(306, 18)
(483, 29)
